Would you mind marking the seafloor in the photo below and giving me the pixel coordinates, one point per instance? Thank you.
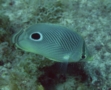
(21, 70)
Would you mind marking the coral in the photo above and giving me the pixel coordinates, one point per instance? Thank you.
(49, 13)
(4, 21)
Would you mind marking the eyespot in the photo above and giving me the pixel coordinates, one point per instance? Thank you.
(36, 36)
(83, 57)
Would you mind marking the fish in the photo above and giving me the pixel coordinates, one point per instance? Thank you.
(53, 41)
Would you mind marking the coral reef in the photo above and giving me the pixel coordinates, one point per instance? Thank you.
(21, 70)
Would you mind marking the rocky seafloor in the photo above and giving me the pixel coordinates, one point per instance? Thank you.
(20, 70)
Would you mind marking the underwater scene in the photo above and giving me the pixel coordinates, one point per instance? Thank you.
(55, 44)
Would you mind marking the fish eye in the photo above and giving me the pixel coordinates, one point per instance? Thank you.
(83, 57)
(36, 36)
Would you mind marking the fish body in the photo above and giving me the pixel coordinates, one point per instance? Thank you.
(55, 42)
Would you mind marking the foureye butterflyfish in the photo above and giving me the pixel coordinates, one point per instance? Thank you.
(55, 42)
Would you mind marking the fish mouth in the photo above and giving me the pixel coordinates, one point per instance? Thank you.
(20, 47)
(15, 38)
